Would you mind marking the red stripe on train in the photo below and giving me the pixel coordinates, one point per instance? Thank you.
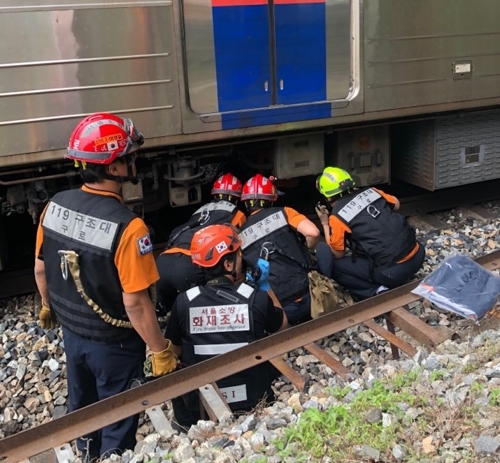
(238, 2)
(261, 2)
(296, 2)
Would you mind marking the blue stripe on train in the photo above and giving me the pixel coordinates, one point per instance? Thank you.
(243, 63)
(277, 115)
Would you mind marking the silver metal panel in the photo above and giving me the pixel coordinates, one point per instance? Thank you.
(449, 151)
(299, 156)
(413, 147)
(200, 56)
(365, 153)
(62, 64)
(411, 48)
(338, 48)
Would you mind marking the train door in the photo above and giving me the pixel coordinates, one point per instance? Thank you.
(260, 62)
(300, 43)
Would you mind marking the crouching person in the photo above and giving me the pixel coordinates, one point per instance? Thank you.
(219, 317)
(384, 250)
(177, 272)
(285, 235)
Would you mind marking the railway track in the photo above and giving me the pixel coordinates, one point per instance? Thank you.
(55, 435)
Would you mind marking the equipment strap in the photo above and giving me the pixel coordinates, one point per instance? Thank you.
(284, 254)
(69, 260)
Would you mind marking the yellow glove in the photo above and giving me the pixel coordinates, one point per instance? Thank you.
(45, 317)
(322, 213)
(163, 362)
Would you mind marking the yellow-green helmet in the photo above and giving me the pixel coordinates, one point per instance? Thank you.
(334, 181)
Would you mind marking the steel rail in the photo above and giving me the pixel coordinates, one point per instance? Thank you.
(73, 425)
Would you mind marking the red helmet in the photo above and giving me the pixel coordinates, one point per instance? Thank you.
(259, 187)
(211, 243)
(227, 184)
(101, 138)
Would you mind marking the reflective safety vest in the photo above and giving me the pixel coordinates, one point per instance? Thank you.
(377, 232)
(91, 225)
(290, 261)
(218, 318)
(216, 212)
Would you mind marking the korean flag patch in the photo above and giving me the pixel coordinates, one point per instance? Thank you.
(221, 247)
(145, 245)
(112, 145)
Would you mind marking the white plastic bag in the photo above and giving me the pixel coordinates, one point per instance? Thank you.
(462, 286)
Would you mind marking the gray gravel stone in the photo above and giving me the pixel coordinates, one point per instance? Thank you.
(486, 445)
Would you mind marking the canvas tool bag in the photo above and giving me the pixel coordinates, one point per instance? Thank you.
(324, 297)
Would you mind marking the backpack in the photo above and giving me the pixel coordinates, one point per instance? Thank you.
(324, 297)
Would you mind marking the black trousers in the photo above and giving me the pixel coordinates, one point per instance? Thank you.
(299, 311)
(177, 274)
(96, 372)
(358, 276)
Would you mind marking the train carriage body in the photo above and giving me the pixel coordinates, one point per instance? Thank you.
(200, 76)
(200, 70)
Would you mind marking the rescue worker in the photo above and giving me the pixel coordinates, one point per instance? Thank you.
(384, 250)
(238, 315)
(177, 272)
(93, 267)
(276, 233)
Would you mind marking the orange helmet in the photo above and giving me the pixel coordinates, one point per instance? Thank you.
(211, 243)
(227, 184)
(259, 187)
(101, 138)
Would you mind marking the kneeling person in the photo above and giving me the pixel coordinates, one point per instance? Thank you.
(177, 272)
(219, 317)
(384, 250)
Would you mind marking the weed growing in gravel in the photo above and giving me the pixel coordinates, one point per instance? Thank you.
(476, 387)
(495, 396)
(337, 432)
(406, 379)
(437, 375)
(470, 368)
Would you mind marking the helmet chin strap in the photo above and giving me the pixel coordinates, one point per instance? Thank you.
(234, 273)
(120, 179)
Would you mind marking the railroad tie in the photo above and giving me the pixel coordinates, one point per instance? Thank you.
(286, 370)
(160, 422)
(397, 344)
(328, 360)
(60, 454)
(214, 403)
(416, 328)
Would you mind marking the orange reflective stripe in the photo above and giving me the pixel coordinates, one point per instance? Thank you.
(186, 252)
(410, 255)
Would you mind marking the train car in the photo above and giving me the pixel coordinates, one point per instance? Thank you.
(278, 86)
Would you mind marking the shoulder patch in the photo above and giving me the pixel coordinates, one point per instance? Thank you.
(191, 293)
(245, 290)
(145, 245)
